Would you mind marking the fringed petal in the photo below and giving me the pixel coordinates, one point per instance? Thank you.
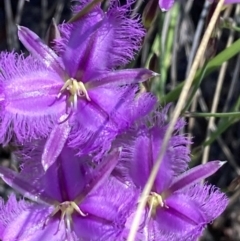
(34, 224)
(90, 48)
(67, 178)
(187, 213)
(109, 222)
(209, 198)
(83, 24)
(124, 25)
(28, 98)
(142, 162)
(9, 211)
(141, 147)
(100, 40)
(176, 157)
(63, 180)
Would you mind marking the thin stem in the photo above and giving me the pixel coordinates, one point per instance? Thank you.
(209, 114)
(216, 97)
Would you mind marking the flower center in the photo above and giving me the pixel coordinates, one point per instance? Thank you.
(75, 89)
(155, 201)
(67, 209)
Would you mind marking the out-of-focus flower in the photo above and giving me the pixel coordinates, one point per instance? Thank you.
(165, 5)
(178, 207)
(77, 94)
(71, 201)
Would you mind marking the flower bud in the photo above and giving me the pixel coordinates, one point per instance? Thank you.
(150, 13)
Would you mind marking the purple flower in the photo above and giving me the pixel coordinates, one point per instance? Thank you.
(71, 201)
(77, 93)
(178, 207)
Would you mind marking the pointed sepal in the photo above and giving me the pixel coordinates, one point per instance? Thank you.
(28, 188)
(40, 50)
(194, 175)
(121, 77)
(55, 143)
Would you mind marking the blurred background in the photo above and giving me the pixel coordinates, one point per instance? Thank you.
(171, 41)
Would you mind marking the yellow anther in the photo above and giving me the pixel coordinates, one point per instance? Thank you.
(155, 201)
(76, 89)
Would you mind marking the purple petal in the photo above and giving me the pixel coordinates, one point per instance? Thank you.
(55, 143)
(123, 48)
(35, 45)
(189, 211)
(9, 211)
(142, 152)
(90, 228)
(82, 26)
(29, 225)
(165, 5)
(101, 40)
(57, 181)
(29, 91)
(194, 175)
(29, 188)
(142, 162)
(121, 77)
(67, 176)
(89, 51)
(142, 105)
(176, 157)
(185, 209)
(107, 209)
(207, 197)
(183, 216)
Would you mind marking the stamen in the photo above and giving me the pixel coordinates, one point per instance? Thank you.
(155, 201)
(76, 89)
(67, 209)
